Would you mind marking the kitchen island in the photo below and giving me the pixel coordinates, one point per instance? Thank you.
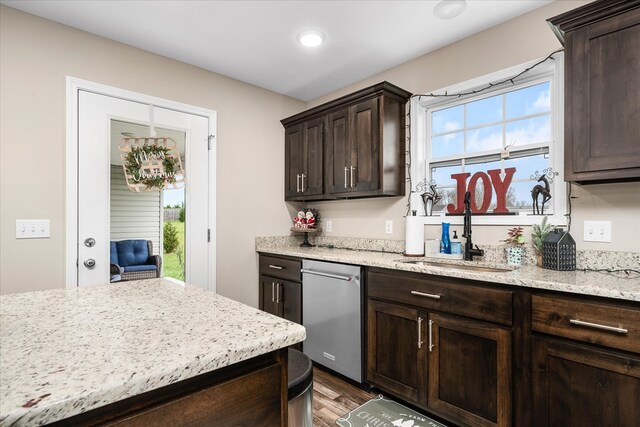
(135, 352)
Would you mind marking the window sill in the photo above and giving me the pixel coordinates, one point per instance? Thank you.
(514, 220)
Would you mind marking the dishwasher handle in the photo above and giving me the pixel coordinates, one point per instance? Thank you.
(330, 275)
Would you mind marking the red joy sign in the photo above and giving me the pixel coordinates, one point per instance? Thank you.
(488, 180)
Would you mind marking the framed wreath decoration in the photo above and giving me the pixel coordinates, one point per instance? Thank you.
(151, 164)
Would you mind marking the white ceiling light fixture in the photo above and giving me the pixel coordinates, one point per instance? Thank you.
(311, 38)
(448, 9)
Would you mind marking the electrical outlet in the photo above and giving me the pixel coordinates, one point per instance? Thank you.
(597, 231)
(328, 226)
(388, 226)
(32, 229)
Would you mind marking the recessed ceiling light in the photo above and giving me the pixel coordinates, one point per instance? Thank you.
(311, 38)
(448, 9)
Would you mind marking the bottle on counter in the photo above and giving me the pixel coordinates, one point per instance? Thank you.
(445, 242)
(456, 244)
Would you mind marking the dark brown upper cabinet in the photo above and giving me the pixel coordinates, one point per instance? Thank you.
(351, 147)
(602, 90)
(304, 145)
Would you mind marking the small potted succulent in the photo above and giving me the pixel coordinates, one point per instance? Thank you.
(538, 234)
(515, 251)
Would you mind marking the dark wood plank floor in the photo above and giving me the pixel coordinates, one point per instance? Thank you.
(333, 398)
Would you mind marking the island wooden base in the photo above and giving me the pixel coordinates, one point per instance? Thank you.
(249, 393)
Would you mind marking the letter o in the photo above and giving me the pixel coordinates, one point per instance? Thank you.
(488, 192)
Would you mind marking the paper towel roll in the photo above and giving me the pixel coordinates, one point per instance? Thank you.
(414, 238)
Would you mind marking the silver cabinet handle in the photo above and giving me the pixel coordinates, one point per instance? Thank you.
(278, 286)
(420, 320)
(423, 294)
(297, 183)
(302, 183)
(273, 292)
(431, 322)
(598, 326)
(351, 175)
(276, 267)
(346, 169)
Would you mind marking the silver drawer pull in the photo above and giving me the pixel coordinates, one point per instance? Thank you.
(277, 267)
(420, 320)
(597, 326)
(422, 294)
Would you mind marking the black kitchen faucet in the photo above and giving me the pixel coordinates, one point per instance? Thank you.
(469, 251)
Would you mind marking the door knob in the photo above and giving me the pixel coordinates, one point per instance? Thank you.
(89, 263)
(89, 242)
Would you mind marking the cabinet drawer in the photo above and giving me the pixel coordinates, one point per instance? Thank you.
(443, 294)
(282, 268)
(605, 324)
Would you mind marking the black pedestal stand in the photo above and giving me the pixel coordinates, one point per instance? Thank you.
(306, 231)
(305, 243)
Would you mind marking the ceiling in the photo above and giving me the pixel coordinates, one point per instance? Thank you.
(255, 41)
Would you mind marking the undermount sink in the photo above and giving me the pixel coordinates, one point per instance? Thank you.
(480, 268)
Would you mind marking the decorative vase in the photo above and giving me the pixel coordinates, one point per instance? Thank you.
(515, 255)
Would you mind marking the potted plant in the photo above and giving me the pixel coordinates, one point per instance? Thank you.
(515, 252)
(539, 233)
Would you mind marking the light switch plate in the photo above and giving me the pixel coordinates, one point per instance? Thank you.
(328, 226)
(33, 229)
(597, 231)
(388, 226)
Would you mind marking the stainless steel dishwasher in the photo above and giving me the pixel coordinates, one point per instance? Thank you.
(331, 313)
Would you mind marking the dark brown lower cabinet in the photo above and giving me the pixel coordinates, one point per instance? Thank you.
(469, 370)
(578, 385)
(394, 355)
(281, 298)
(455, 367)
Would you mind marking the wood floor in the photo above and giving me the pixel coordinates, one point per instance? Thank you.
(333, 398)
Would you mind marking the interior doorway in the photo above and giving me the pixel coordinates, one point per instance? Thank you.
(111, 221)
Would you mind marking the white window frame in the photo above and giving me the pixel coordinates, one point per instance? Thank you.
(420, 135)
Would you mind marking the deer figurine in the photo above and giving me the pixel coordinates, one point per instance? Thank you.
(430, 198)
(539, 190)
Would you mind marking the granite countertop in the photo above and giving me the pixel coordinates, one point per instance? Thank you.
(65, 352)
(608, 285)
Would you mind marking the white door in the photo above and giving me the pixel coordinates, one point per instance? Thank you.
(95, 116)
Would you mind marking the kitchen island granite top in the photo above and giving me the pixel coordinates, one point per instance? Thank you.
(65, 352)
(618, 285)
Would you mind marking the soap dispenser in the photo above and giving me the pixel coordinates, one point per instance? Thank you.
(456, 244)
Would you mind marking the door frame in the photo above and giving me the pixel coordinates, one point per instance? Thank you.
(73, 86)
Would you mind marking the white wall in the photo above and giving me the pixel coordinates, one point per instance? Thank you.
(36, 55)
(514, 42)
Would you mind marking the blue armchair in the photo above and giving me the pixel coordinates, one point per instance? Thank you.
(133, 260)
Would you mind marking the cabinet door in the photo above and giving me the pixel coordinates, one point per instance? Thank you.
(339, 154)
(268, 295)
(469, 371)
(395, 350)
(312, 155)
(581, 386)
(289, 300)
(603, 99)
(364, 169)
(293, 149)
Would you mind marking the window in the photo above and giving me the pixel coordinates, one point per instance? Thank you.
(515, 125)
